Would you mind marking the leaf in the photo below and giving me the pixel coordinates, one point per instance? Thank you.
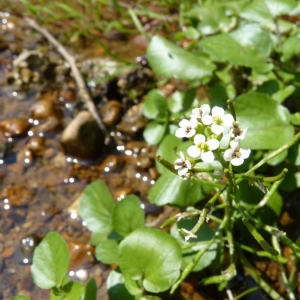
(107, 251)
(166, 59)
(91, 290)
(265, 11)
(204, 235)
(154, 132)
(244, 52)
(155, 105)
(96, 207)
(73, 290)
(212, 18)
(295, 119)
(116, 288)
(169, 148)
(181, 101)
(285, 92)
(151, 257)
(128, 215)
(172, 189)
(20, 297)
(267, 121)
(290, 47)
(50, 261)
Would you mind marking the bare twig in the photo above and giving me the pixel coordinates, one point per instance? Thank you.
(82, 89)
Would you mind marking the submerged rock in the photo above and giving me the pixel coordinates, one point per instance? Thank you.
(14, 127)
(83, 139)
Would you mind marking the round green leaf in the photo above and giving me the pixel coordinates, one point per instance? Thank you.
(151, 257)
(107, 251)
(168, 60)
(73, 290)
(155, 104)
(154, 132)
(50, 261)
(123, 221)
(91, 290)
(96, 207)
(172, 189)
(267, 121)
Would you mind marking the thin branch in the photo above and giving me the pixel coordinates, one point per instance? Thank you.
(82, 88)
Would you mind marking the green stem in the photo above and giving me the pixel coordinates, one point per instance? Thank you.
(240, 296)
(273, 154)
(138, 24)
(206, 209)
(232, 110)
(257, 277)
(261, 178)
(197, 257)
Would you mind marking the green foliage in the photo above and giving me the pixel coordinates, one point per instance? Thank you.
(141, 247)
(167, 59)
(50, 261)
(20, 297)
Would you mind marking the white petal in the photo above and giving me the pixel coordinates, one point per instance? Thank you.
(193, 151)
(217, 111)
(180, 132)
(207, 120)
(193, 122)
(235, 144)
(213, 144)
(228, 120)
(199, 139)
(182, 171)
(228, 154)
(196, 113)
(188, 164)
(184, 123)
(181, 155)
(237, 161)
(245, 153)
(205, 109)
(207, 156)
(191, 133)
(217, 129)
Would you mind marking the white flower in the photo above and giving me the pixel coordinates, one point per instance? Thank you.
(203, 148)
(187, 128)
(236, 132)
(200, 112)
(218, 119)
(236, 155)
(182, 165)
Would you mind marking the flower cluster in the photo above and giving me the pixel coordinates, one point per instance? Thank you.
(206, 128)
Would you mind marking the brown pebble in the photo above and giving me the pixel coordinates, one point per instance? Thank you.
(25, 157)
(45, 108)
(36, 145)
(7, 253)
(111, 112)
(14, 127)
(111, 163)
(17, 195)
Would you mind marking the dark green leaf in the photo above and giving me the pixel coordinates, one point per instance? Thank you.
(172, 189)
(74, 290)
(204, 235)
(107, 251)
(267, 121)
(50, 261)
(168, 60)
(96, 207)
(128, 215)
(91, 290)
(290, 47)
(116, 288)
(181, 101)
(151, 257)
(155, 105)
(154, 132)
